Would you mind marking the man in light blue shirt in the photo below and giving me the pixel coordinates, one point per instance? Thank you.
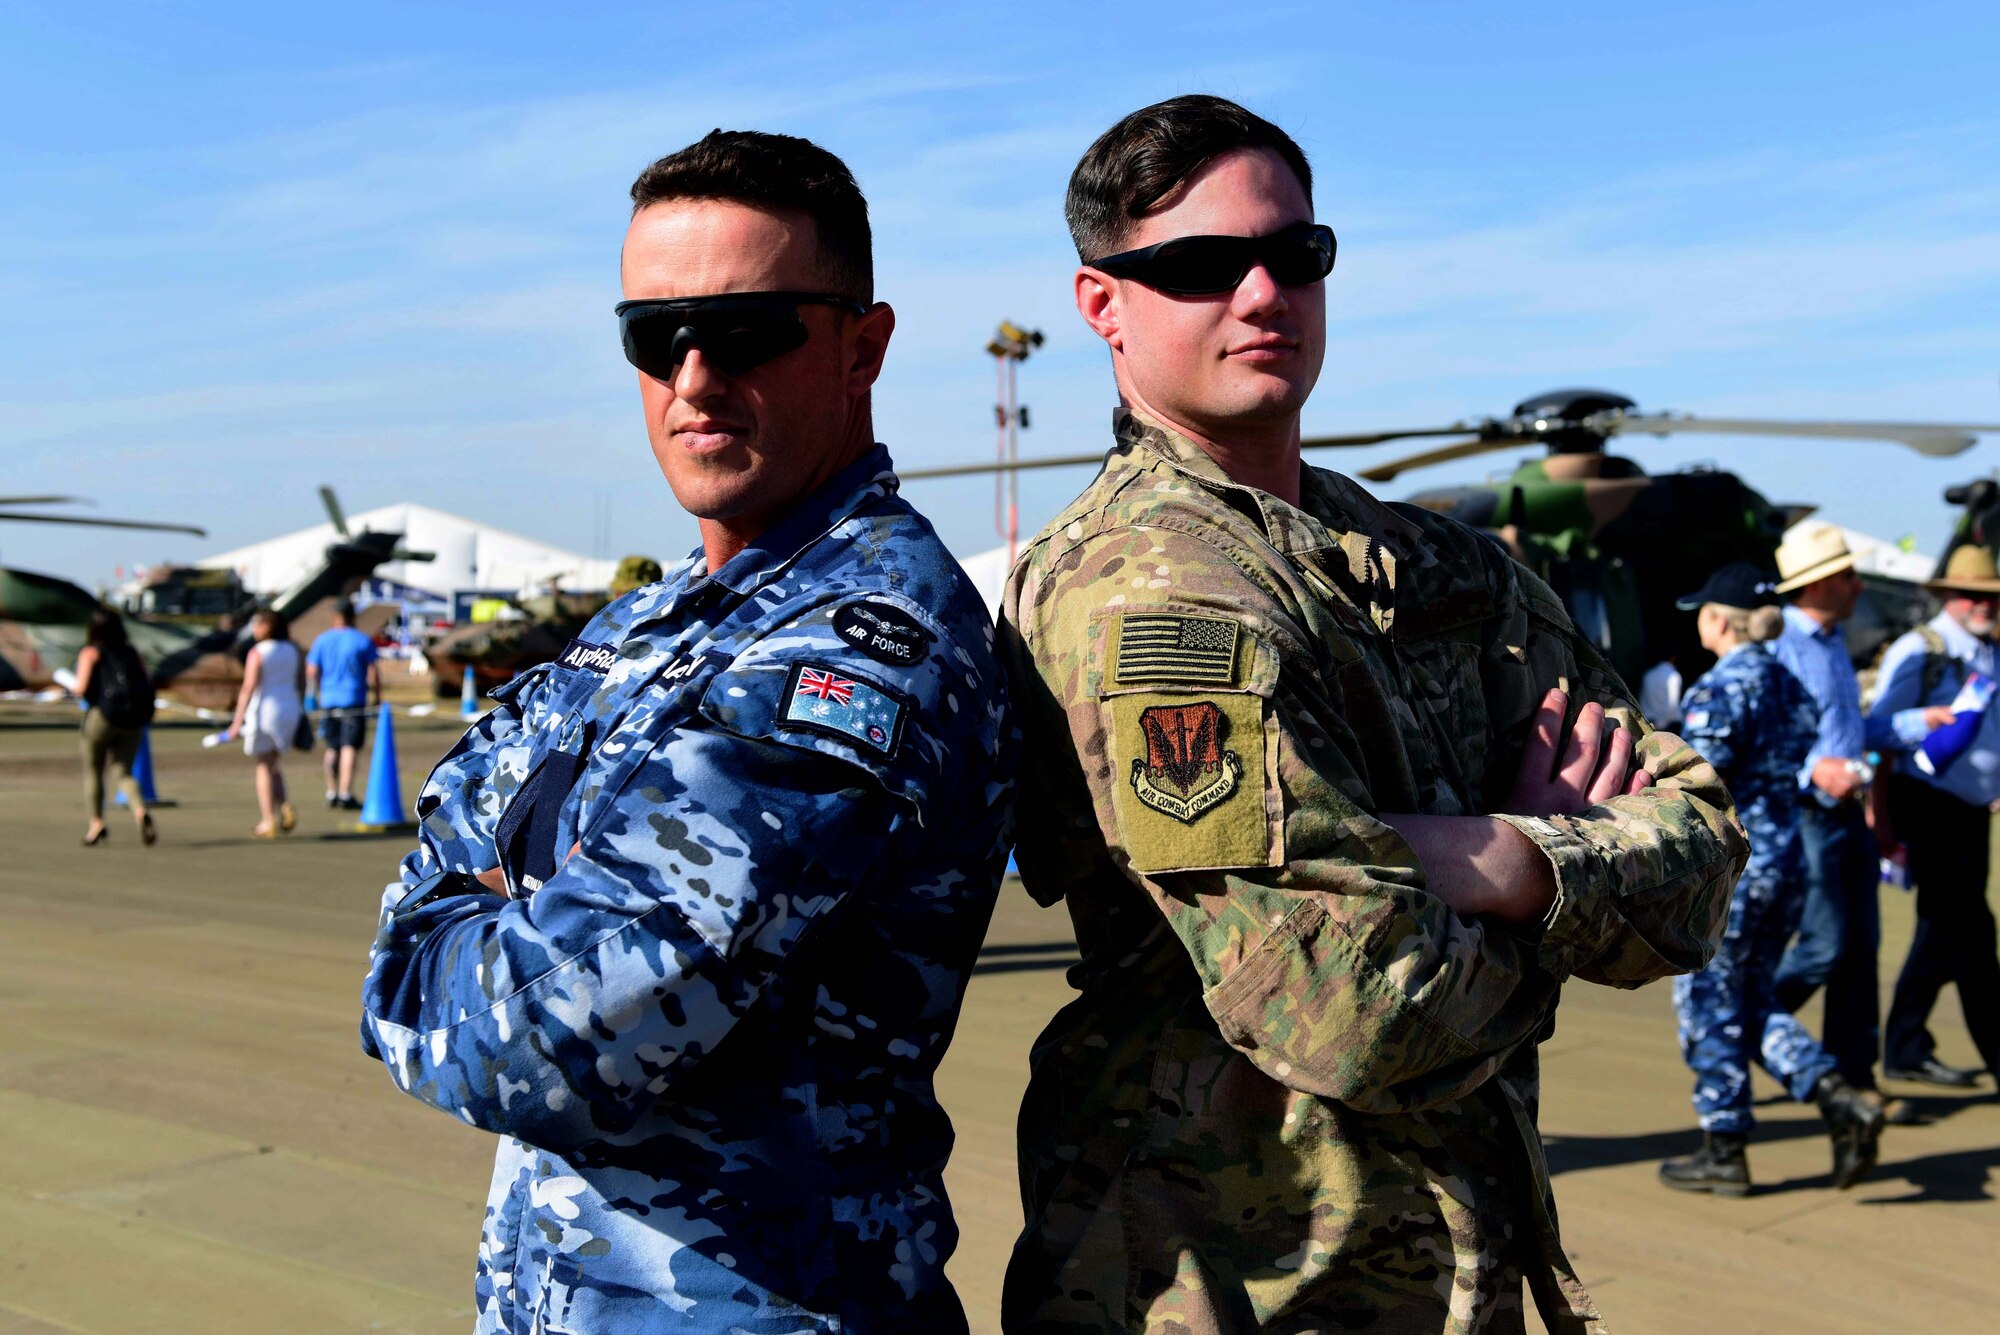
(342, 676)
(1940, 806)
(1840, 930)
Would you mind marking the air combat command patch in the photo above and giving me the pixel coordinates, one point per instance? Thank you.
(1185, 771)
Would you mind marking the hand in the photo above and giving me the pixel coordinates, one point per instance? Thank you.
(234, 731)
(494, 879)
(1559, 780)
(1832, 777)
(1936, 716)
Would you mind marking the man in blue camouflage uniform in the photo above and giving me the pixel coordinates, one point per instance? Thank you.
(1755, 722)
(694, 908)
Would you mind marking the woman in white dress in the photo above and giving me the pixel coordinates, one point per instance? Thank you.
(268, 709)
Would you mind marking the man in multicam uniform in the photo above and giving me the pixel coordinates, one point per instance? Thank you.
(695, 906)
(1265, 717)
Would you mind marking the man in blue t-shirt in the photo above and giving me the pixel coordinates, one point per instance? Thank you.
(341, 674)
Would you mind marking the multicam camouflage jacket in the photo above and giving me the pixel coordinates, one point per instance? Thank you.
(1298, 1092)
(752, 825)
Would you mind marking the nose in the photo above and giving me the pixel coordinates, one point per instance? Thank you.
(1258, 294)
(696, 378)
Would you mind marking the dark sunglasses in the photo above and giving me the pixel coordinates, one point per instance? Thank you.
(735, 331)
(1200, 266)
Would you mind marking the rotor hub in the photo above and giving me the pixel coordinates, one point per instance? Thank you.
(1568, 421)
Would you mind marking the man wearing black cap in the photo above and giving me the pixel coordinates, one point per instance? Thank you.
(1754, 721)
(1946, 780)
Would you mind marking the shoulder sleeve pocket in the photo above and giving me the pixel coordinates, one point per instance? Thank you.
(1194, 743)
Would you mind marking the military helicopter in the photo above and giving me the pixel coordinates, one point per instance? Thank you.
(1618, 545)
(188, 623)
(497, 651)
(40, 615)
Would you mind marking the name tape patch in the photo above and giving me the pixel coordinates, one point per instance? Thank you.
(588, 657)
(1176, 649)
(821, 699)
(883, 631)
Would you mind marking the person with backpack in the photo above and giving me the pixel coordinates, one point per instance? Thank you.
(1932, 715)
(117, 693)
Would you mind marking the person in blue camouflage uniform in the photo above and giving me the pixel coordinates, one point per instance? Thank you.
(694, 908)
(1754, 721)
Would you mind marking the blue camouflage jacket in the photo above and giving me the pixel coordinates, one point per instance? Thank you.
(1752, 719)
(752, 824)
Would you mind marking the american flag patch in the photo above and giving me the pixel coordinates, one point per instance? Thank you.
(1176, 649)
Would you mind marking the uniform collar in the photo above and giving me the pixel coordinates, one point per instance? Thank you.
(1334, 511)
(868, 478)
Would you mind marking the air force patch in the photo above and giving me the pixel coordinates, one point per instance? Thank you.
(823, 700)
(883, 631)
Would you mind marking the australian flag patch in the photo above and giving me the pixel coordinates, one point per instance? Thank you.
(824, 700)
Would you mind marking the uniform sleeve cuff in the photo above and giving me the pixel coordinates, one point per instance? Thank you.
(1565, 929)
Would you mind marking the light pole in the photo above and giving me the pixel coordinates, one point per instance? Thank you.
(1009, 347)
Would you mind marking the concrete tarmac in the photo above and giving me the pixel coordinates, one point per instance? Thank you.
(194, 1143)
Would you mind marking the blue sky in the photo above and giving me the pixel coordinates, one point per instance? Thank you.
(248, 249)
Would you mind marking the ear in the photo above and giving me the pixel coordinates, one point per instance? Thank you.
(1097, 302)
(871, 346)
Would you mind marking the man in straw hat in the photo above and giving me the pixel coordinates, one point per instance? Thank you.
(1931, 713)
(1841, 927)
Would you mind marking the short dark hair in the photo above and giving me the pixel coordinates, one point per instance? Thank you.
(344, 609)
(1137, 164)
(776, 172)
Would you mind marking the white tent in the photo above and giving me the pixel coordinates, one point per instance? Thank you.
(469, 555)
(988, 572)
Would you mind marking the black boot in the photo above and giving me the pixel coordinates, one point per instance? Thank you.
(1855, 1122)
(1718, 1166)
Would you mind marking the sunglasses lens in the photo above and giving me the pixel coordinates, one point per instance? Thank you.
(738, 341)
(1199, 265)
(1300, 258)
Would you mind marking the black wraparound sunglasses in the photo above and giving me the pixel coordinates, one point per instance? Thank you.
(735, 331)
(1200, 266)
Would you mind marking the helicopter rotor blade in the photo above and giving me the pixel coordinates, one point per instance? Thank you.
(1383, 437)
(45, 500)
(1010, 466)
(1937, 439)
(1462, 449)
(1074, 460)
(139, 524)
(333, 511)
